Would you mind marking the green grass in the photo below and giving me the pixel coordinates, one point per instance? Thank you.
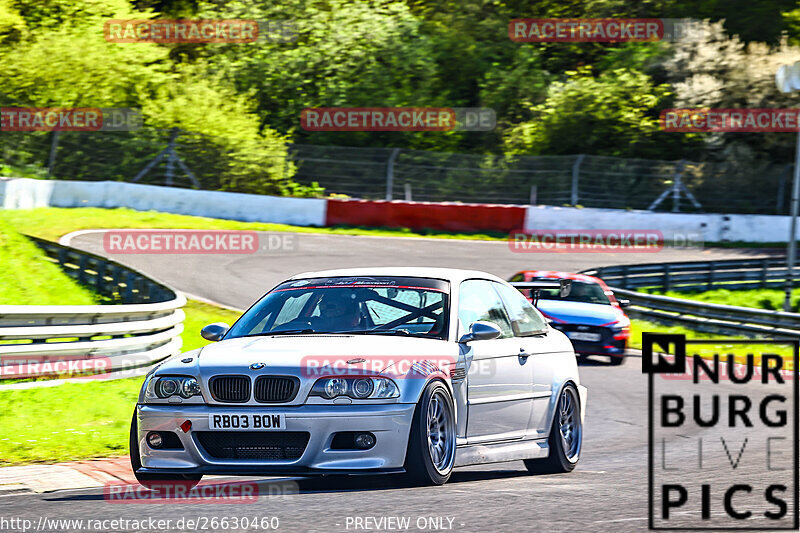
(53, 222)
(199, 314)
(28, 278)
(758, 298)
(71, 421)
(740, 351)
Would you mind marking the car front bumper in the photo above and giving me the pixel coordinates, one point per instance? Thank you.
(614, 349)
(390, 423)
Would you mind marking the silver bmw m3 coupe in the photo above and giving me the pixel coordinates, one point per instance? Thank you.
(368, 370)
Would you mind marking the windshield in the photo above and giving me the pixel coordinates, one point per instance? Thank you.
(582, 291)
(357, 305)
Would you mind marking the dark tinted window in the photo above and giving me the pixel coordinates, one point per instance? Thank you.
(525, 320)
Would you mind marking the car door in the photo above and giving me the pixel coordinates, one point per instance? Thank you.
(499, 392)
(538, 350)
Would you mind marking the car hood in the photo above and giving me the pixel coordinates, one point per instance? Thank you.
(296, 354)
(580, 312)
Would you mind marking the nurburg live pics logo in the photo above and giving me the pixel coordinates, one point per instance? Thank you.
(722, 433)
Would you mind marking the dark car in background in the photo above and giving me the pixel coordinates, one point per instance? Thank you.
(589, 314)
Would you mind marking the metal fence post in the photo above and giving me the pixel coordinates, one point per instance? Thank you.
(676, 188)
(792, 251)
(781, 189)
(576, 170)
(710, 282)
(390, 173)
(51, 163)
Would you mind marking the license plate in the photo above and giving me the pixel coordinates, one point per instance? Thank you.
(247, 422)
(582, 336)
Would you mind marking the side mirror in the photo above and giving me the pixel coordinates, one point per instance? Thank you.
(624, 303)
(214, 332)
(481, 331)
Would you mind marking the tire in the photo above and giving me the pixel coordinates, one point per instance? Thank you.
(156, 481)
(616, 360)
(564, 452)
(432, 440)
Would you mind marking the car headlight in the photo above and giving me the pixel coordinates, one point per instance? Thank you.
(356, 388)
(190, 388)
(185, 387)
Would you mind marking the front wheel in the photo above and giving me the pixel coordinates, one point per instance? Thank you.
(156, 481)
(617, 360)
(432, 441)
(566, 436)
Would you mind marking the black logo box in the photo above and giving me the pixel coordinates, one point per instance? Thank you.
(675, 345)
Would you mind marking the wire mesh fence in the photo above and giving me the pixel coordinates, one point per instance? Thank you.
(392, 173)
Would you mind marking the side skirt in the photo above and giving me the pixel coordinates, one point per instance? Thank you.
(476, 454)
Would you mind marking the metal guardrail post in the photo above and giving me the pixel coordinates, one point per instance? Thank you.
(390, 173)
(133, 336)
(710, 283)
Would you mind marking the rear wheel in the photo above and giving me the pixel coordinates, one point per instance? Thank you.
(432, 441)
(566, 436)
(617, 360)
(156, 481)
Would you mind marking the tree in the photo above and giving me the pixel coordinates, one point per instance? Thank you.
(64, 61)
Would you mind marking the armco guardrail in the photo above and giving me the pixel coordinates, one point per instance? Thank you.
(103, 341)
(697, 275)
(704, 275)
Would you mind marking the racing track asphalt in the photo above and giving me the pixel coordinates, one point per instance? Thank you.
(607, 492)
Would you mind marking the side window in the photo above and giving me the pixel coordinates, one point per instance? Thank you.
(291, 308)
(525, 320)
(479, 301)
